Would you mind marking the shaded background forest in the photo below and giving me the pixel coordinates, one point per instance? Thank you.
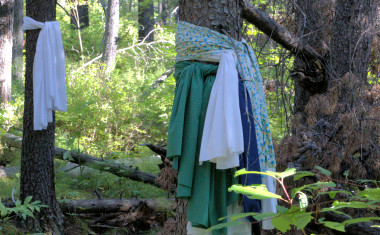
(110, 115)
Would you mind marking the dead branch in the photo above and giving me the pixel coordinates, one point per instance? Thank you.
(113, 205)
(278, 33)
(93, 162)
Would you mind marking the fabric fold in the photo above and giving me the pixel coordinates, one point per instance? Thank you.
(222, 139)
(49, 83)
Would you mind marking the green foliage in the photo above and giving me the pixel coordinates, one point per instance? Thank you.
(23, 210)
(299, 215)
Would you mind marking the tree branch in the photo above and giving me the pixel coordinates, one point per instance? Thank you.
(278, 33)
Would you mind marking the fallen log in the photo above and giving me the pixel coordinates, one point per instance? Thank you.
(113, 205)
(92, 162)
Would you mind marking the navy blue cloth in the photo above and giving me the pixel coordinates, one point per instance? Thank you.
(250, 158)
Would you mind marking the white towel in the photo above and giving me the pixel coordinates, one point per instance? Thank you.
(49, 84)
(222, 139)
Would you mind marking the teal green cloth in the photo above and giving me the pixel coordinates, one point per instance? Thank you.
(203, 186)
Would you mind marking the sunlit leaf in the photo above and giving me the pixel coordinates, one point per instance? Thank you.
(253, 192)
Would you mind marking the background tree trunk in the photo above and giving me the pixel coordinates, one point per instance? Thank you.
(216, 15)
(6, 29)
(146, 20)
(37, 157)
(18, 37)
(111, 35)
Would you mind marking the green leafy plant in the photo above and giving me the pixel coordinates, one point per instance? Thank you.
(24, 210)
(298, 213)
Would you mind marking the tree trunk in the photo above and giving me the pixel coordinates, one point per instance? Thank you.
(18, 37)
(6, 29)
(146, 20)
(312, 19)
(37, 157)
(111, 35)
(219, 16)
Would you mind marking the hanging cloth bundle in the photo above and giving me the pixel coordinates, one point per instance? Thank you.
(49, 84)
(202, 44)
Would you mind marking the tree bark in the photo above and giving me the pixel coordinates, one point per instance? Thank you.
(312, 19)
(146, 20)
(37, 154)
(18, 37)
(6, 30)
(111, 35)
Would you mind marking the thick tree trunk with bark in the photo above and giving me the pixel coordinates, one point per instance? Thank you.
(6, 30)
(312, 19)
(146, 20)
(37, 157)
(18, 37)
(111, 35)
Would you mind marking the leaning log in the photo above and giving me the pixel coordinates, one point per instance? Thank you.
(113, 205)
(278, 33)
(92, 162)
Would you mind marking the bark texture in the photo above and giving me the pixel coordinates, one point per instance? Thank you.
(213, 14)
(6, 29)
(18, 37)
(37, 157)
(111, 35)
(146, 20)
(313, 20)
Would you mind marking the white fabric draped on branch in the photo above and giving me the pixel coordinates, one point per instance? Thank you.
(49, 83)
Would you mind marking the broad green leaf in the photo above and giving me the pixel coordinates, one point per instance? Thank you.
(323, 170)
(339, 205)
(253, 192)
(282, 222)
(282, 209)
(18, 203)
(238, 216)
(3, 213)
(303, 202)
(332, 194)
(244, 172)
(301, 174)
(265, 215)
(312, 186)
(370, 194)
(223, 225)
(334, 225)
(300, 220)
(28, 199)
(375, 226)
(67, 156)
(286, 173)
(359, 220)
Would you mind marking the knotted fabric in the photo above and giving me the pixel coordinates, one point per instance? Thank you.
(49, 84)
(203, 44)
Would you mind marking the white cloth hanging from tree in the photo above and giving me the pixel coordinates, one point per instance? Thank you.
(222, 139)
(49, 83)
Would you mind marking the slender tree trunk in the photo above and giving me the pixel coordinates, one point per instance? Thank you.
(18, 37)
(111, 35)
(216, 15)
(146, 20)
(37, 157)
(6, 29)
